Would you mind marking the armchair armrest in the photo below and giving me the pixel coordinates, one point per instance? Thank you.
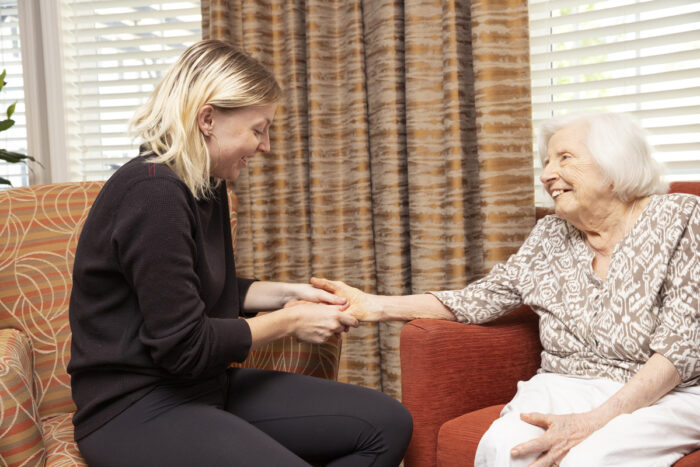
(449, 369)
(21, 441)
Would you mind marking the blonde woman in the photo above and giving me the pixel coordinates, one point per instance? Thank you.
(155, 305)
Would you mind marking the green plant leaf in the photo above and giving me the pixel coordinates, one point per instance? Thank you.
(4, 181)
(14, 157)
(2, 79)
(11, 109)
(5, 124)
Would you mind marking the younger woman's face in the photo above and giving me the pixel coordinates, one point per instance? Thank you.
(233, 137)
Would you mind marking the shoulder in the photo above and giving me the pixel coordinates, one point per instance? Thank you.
(147, 182)
(674, 208)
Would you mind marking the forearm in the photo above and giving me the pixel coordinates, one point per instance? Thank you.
(266, 296)
(408, 307)
(655, 379)
(270, 326)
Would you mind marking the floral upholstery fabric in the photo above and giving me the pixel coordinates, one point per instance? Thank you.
(20, 433)
(39, 230)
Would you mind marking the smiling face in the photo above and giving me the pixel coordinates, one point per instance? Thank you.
(233, 137)
(573, 178)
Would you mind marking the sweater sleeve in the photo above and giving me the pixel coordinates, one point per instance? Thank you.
(154, 240)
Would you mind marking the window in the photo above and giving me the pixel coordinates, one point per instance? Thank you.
(633, 56)
(88, 65)
(14, 139)
(114, 53)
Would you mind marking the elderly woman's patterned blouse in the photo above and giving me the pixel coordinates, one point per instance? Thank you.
(649, 301)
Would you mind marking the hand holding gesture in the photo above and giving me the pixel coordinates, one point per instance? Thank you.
(362, 306)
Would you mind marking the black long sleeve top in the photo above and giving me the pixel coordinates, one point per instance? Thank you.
(155, 294)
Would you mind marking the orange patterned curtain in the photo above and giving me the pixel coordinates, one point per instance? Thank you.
(401, 156)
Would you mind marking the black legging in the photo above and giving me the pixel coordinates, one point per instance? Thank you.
(254, 418)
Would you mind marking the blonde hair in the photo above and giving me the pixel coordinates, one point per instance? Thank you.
(208, 72)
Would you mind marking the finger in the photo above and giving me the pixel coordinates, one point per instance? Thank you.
(324, 284)
(327, 297)
(537, 419)
(346, 319)
(540, 444)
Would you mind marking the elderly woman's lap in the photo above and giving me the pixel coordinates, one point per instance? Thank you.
(664, 431)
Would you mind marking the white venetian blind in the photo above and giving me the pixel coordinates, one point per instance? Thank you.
(115, 52)
(14, 139)
(636, 56)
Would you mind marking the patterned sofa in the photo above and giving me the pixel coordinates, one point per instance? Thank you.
(39, 229)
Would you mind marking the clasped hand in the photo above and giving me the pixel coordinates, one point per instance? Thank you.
(563, 432)
(319, 314)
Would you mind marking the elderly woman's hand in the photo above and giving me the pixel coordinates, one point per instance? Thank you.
(563, 432)
(362, 306)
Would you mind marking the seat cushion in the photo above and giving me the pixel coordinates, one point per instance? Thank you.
(458, 438)
(61, 449)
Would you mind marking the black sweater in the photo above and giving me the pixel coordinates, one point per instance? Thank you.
(155, 295)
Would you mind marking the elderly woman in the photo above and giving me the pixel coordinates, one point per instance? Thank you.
(613, 276)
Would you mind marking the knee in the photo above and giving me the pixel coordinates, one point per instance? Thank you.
(394, 419)
(503, 435)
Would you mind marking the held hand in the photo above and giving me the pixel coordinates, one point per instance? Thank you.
(316, 322)
(563, 432)
(309, 293)
(361, 305)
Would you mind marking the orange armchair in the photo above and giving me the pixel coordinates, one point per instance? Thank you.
(456, 378)
(39, 229)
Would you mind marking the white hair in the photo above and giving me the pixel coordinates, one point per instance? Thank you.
(619, 146)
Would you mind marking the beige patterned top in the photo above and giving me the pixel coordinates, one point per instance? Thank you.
(649, 301)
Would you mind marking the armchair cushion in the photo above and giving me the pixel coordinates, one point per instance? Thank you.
(459, 437)
(21, 442)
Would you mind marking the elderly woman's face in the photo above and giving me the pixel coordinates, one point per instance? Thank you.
(571, 176)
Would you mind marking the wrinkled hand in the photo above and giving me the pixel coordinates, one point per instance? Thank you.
(361, 305)
(317, 322)
(563, 432)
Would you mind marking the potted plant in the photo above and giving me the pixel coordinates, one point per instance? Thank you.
(5, 155)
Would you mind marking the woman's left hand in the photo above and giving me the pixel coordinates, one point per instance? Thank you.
(563, 432)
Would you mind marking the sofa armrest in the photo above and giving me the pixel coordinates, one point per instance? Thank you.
(449, 369)
(21, 441)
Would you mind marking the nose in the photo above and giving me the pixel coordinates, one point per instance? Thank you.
(548, 174)
(264, 145)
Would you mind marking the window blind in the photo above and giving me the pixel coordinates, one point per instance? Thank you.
(15, 138)
(114, 53)
(640, 57)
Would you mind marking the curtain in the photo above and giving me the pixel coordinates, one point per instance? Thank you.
(401, 156)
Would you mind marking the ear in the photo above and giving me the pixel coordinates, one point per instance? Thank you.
(205, 119)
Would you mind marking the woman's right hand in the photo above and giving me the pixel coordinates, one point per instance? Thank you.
(317, 322)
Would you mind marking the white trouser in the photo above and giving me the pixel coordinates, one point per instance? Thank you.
(657, 435)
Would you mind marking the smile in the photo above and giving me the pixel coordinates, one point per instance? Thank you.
(556, 193)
